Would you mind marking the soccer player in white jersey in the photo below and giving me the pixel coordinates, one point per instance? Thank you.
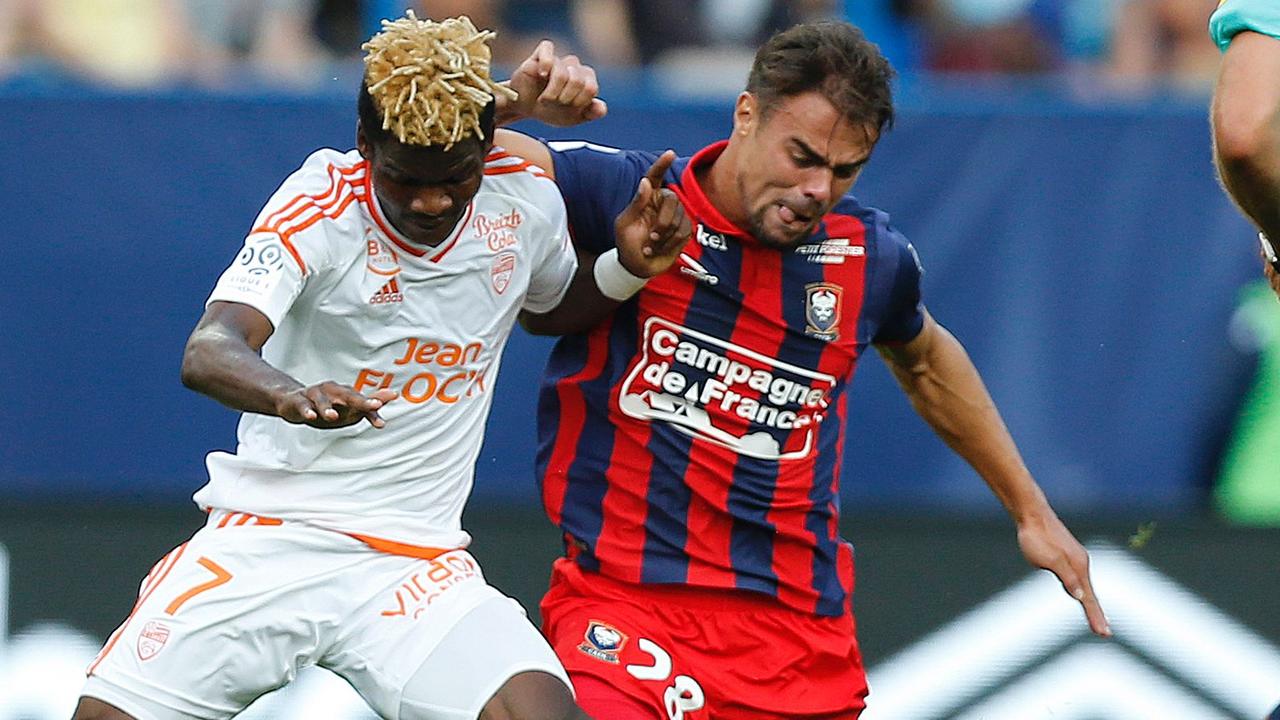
(360, 330)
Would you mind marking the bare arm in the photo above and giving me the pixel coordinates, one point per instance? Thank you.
(1246, 128)
(530, 149)
(222, 360)
(945, 389)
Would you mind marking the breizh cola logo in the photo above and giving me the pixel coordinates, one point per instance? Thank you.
(725, 393)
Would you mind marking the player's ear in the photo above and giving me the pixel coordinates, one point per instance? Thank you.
(362, 142)
(745, 113)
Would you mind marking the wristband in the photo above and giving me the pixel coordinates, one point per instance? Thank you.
(615, 281)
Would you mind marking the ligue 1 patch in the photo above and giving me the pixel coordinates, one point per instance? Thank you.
(500, 271)
(603, 641)
(152, 639)
(822, 310)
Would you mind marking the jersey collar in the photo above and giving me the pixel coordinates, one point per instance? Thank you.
(431, 254)
(696, 200)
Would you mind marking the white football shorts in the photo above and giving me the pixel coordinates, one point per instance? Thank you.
(240, 608)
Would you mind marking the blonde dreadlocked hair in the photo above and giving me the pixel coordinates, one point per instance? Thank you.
(430, 81)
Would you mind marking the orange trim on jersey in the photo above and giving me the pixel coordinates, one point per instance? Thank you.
(153, 582)
(317, 217)
(294, 252)
(504, 169)
(320, 215)
(371, 201)
(457, 235)
(336, 175)
(342, 187)
(244, 518)
(313, 204)
(392, 547)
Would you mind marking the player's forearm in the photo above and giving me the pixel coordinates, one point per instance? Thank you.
(948, 393)
(225, 368)
(582, 308)
(1246, 128)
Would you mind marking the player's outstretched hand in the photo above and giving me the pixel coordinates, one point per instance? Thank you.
(654, 228)
(558, 91)
(1049, 545)
(330, 405)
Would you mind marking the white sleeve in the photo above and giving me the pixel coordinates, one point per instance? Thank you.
(265, 276)
(554, 270)
(287, 246)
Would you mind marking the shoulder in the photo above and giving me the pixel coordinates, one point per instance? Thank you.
(593, 163)
(327, 167)
(1235, 16)
(889, 252)
(328, 181)
(315, 207)
(522, 183)
(872, 223)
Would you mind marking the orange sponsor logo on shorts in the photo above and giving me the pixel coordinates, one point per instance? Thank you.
(422, 588)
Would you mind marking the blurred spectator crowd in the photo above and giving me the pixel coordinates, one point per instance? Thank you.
(296, 43)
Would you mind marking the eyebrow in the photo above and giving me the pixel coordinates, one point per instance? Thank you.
(815, 155)
(460, 167)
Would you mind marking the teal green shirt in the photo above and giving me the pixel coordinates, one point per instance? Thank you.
(1235, 16)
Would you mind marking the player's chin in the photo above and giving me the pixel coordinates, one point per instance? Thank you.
(783, 238)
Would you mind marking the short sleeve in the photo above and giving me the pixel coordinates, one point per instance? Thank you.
(597, 183)
(556, 265)
(287, 245)
(263, 276)
(1236, 16)
(904, 311)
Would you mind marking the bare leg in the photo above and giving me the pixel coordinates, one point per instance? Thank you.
(94, 709)
(533, 696)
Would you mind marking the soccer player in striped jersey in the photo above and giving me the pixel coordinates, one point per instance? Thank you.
(359, 329)
(1246, 115)
(690, 445)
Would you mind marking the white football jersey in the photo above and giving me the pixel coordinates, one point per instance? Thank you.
(354, 302)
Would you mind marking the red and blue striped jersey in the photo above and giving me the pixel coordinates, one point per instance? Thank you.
(695, 437)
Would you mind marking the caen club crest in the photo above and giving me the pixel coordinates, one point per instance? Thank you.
(822, 303)
(503, 265)
(603, 641)
(152, 639)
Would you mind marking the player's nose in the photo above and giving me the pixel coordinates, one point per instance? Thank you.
(431, 201)
(816, 185)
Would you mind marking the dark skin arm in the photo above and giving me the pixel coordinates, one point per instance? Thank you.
(650, 233)
(223, 360)
(945, 389)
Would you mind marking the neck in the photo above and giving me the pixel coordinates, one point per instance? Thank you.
(719, 184)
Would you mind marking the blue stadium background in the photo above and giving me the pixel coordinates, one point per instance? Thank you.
(1083, 253)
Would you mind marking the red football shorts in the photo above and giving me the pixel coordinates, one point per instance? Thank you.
(646, 652)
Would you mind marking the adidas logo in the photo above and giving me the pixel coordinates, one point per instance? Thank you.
(389, 293)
